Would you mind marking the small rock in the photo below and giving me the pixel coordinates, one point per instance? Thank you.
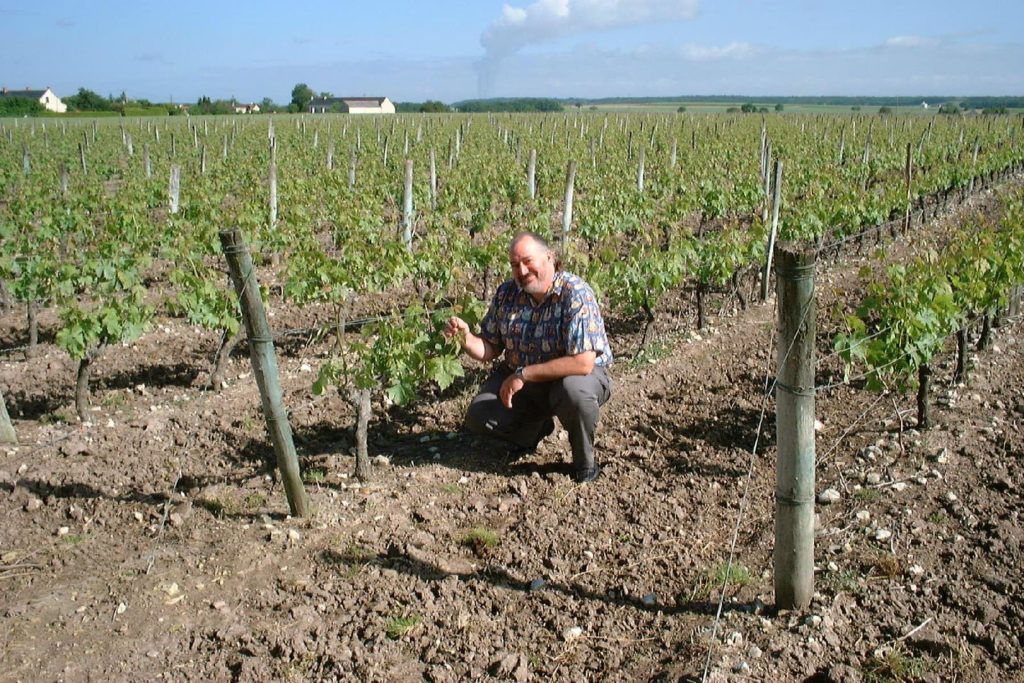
(121, 608)
(152, 654)
(899, 486)
(818, 425)
(305, 367)
(537, 584)
(883, 535)
(942, 457)
(76, 447)
(829, 496)
(381, 460)
(754, 652)
(219, 605)
(33, 504)
(175, 519)
(814, 621)
(734, 639)
(294, 535)
(741, 667)
(873, 478)
(649, 600)
(63, 531)
(915, 570)
(832, 567)
(951, 497)
(572, 633)
(863, 516)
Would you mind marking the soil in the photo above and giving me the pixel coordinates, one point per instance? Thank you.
(155, 542)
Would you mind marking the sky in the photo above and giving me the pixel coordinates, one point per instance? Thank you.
(448, 50)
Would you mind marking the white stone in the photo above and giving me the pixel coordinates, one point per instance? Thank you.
(883, 535)
(734, 639)
(951, 497)
(915, 570)
(863, 516)
(899, 486)
(572, 633)
(828, 496)
(873, 478)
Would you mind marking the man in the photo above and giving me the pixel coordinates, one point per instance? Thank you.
(548, 325)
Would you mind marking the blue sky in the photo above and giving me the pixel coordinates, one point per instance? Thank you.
(447, 50)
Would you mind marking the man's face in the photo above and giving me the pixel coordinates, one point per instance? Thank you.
(533, 266)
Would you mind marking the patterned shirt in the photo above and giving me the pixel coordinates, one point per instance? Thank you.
(568, 322)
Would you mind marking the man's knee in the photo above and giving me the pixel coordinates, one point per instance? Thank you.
(576, 394)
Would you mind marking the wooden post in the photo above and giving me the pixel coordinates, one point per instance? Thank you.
(909, 176)
(175, 188)
(640, 172)
(570, 181)
(352, 169)
(65, 179)
(433, 180)
(330, 156)
(794, 396)
(264, 365)
(273, 185)
(26, 161)
(146, 162)
(531, 173)
(81, 157)
(7, 435)
(776, 201)
(407, 206)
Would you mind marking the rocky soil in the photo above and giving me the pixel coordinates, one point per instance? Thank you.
(155, 544)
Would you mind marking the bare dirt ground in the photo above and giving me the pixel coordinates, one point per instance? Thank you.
(155, 543)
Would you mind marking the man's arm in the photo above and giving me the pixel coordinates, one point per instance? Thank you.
(548, 371)
(557, 368)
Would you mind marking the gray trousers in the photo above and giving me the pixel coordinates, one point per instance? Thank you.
(574, 400)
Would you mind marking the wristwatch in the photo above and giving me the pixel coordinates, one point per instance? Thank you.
(519, 372)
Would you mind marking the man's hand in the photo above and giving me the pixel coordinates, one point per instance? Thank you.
(509, 387)
(458, 329)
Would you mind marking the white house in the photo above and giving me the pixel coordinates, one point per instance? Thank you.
(251, 108)
(47, 98)
(351, 105)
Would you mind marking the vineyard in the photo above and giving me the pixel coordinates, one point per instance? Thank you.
(147, 532)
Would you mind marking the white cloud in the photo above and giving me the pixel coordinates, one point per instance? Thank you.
(546, 20)
(910, 41)
(704, 53)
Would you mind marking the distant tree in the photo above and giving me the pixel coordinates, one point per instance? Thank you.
(885, 110)
(268, 105)
(855, 107)
(20, 106)
(763, 110)
(949, 108)
(732, 110)
(87, 100)
(779, 107)
(433, 107)
(681, 109)
(326, 93)
(301, 95)
(994, 110)
(748, 108)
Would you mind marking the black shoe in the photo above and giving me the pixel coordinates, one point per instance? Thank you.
(587, 474)
(516, 452)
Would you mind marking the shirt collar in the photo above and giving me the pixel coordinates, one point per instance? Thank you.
(554, 294)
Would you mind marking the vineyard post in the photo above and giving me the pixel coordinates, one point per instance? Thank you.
(433, 180)
(26, 161)
(974, 165)
(675, 153)
(175, 188)
(264, 365)
(776, 201)
(640, 172)
(531, 173)
(909, 176)
(352, 169)
(330, 156)
(65, 178)
(7, 435)
(273, 184)
(147, 164)
(793, 556)
(407, 206)
(570, 181)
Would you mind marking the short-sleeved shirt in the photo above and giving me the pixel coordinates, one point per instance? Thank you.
(568, 322)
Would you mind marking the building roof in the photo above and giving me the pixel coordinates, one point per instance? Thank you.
(34, 94)
(357, 101)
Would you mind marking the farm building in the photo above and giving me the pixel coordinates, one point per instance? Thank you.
(46, 97)
(246, 108)
(351, 105)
